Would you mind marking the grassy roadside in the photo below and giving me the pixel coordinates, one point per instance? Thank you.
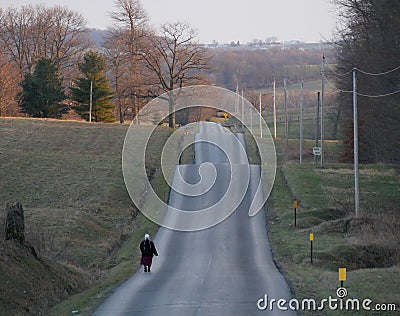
(126, 262)
(68, 175)
(78, 214)
(126, 259)
(367, 247)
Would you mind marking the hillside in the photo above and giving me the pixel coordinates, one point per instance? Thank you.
(82, 223)
(30, 286)
(366, 246)
(78, 215)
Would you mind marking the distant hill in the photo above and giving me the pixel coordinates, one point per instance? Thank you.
(98, 36)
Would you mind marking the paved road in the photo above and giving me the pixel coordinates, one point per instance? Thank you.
(223, 270)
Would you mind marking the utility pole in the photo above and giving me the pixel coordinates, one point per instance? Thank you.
(287, 115)
(355, 119)
(322, 110)
(242, 109)
(301, 121)
(261, 130)
(274, 109)
(90, 101)
(251, 119)
(237, 100)
(317, 127)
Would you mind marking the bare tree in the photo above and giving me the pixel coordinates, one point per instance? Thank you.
(132, 89)
(68, 37)
(14, 34)
(34, 32)
(176, 58)
(130, 15)
(9, 87)
(368, 39)
(130, 24)
(117, 59)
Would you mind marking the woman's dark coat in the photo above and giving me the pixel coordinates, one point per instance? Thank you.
(147, 248)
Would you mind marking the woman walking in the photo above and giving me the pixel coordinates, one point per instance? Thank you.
(148, 250)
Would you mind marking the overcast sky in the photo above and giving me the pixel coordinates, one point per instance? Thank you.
(221, 20)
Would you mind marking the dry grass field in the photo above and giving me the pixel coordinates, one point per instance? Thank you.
(85, 228)
(78, 214)
(367, 246)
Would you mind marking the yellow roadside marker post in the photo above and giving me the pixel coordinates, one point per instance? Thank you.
(342, 276)
(311, 242)
(295, 211)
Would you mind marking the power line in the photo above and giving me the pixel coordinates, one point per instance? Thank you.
(378, 74)
(291, 83)
(361, 94)
(362, 71)
(336, 88)
(379, 96)
(338, 74)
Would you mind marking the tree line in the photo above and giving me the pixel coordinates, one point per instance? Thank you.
(369, 39)
(256, 69)
(30, 33)
(49, 66)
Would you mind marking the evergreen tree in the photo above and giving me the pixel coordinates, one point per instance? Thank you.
(93, 69)
(42, 92)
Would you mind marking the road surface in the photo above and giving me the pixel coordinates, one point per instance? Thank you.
(222, 270)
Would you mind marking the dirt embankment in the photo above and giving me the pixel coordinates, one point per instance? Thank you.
(30, 285)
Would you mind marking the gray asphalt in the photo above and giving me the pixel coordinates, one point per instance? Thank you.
(222, 270)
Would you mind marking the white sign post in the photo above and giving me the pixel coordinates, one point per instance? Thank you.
(316, 151)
